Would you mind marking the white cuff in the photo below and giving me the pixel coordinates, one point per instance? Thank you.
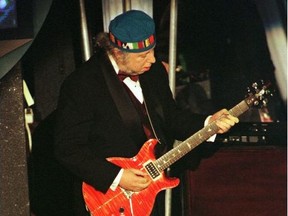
(213, 137)
(116, 181)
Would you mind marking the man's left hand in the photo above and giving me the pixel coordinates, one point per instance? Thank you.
(224, 120)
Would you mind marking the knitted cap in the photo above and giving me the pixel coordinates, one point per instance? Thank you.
(132, 31)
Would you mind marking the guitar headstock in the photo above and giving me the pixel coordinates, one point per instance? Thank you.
(258, 94)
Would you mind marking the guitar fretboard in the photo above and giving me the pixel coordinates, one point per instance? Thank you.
(186, 146)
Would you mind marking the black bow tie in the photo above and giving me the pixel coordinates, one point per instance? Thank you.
(122, 76)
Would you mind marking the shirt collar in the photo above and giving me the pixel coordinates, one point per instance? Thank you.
(114, 64)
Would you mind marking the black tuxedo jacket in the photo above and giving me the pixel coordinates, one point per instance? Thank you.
(96, 119)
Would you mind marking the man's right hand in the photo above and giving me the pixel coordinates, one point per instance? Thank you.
(134, 180)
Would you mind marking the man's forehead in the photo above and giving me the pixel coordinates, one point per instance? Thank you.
(142, 53)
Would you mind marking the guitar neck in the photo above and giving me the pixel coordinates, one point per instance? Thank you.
(189, 144)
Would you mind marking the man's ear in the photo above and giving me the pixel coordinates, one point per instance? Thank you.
(118, 56)
(117, 53)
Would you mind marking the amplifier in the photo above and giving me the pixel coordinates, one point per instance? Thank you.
(256, 133)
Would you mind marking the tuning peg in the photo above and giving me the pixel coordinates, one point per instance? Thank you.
(265, 102)
(270, 92)
(255, 85)
(256, 103)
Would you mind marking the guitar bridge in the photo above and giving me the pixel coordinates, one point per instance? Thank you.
(127, 193)
(152, 170)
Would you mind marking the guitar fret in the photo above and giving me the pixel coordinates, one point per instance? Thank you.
(239, 109)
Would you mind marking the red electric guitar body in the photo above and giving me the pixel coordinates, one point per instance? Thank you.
(126, 202)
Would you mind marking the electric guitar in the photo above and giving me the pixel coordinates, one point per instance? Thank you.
(123, 202)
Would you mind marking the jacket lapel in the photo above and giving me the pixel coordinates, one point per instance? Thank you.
(155, 109)
(122, 101)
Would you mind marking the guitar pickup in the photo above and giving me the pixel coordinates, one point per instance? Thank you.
(152, 170)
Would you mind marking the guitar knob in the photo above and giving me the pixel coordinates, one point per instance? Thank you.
(121, 211)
